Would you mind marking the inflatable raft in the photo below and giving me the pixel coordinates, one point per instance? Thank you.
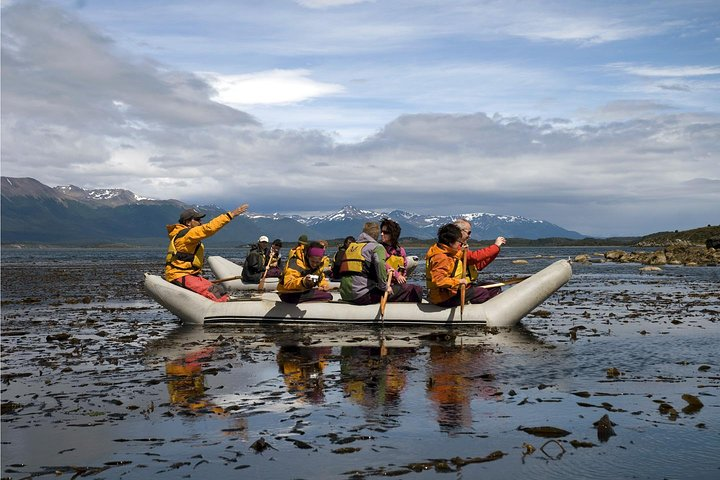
(505, 309)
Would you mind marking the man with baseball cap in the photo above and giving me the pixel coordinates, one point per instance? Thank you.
(256, 261)
(186, 253)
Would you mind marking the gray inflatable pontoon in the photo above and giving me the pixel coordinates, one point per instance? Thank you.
(503, 310)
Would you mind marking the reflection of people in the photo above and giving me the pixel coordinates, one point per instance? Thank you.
(186, 383)
(372, 380)
(302, 369)
(444, 273)
(365, 276)
(186, 253)
(304, 279)
(454, 380)
(186, 386)
(254, 265)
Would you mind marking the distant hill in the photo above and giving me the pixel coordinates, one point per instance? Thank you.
(69, 215)
(696, 236)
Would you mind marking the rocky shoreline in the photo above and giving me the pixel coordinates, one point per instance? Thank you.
(679, 253)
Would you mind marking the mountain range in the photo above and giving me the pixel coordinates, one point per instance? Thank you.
(69, 215)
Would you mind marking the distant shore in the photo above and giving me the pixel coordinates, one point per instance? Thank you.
(697, 236)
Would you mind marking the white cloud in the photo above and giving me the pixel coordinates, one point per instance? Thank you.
(682, 71)
(328, 3)
(647, 154)
(271, 87)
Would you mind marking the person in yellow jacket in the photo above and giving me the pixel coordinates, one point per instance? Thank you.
(296, 251)
(304, 278)
(186, 253)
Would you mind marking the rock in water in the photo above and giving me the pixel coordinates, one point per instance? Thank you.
(604, 428)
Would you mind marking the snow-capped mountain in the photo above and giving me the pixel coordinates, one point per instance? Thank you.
(74, 213)
(349, 221)
(345, 214)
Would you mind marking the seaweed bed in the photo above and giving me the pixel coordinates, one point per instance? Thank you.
(615, 376)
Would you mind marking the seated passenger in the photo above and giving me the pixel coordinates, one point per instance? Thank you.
(443, 269)
(396, 257)
(254, 266)
(275, 263)
(303, 279)
(338, 257)
(301, 243)
(365, 276)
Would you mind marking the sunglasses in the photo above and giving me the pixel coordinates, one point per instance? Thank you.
(385, 232)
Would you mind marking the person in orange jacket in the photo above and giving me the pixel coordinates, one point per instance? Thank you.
(186, 253)
(444, 273)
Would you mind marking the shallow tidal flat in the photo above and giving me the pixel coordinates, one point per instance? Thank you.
(615, 376)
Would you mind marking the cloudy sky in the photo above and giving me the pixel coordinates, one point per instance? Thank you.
(601, 117)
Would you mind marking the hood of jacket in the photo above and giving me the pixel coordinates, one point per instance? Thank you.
(174, 229)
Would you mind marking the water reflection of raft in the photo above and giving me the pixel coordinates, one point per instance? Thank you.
(505, 309)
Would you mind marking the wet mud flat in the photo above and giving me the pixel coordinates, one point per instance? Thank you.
(615, 376)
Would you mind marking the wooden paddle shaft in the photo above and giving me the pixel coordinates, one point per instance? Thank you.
(236, 277)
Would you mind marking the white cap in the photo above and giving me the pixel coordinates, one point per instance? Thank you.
(263, 238)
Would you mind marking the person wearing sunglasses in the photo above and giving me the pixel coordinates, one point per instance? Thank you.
(478, 259)
(396, 258)
(186, 253)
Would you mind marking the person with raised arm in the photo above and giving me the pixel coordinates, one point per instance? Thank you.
(186, 253)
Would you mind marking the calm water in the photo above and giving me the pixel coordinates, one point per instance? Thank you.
(100, 381)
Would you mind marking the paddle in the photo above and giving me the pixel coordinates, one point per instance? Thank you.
(226, 279)
(383, 301)
(261, 285)
(510, 281)
(462, 287)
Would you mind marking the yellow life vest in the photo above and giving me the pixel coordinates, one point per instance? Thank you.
(472, 272)
(396, 262)
(353, 262)
(184, 260)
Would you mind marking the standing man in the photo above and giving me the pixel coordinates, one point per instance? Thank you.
(365, 275)
(186, 253)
